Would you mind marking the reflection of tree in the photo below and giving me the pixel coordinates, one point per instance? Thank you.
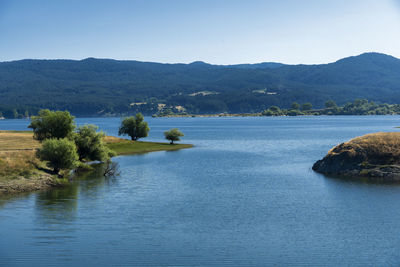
(60, 205)
(101, 175)
(5, 199)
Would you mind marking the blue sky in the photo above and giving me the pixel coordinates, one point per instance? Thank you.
(215, 31)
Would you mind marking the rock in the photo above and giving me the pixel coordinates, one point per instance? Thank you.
(372, 156)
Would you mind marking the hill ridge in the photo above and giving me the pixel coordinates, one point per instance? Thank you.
(92, 86)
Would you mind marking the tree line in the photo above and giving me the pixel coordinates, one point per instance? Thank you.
(358, 107)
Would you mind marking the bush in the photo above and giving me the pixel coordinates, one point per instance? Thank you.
(60, 154)
(90, 144)
(52, 124)
(306, 107)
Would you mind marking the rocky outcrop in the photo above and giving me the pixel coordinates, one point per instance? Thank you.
(375, 157)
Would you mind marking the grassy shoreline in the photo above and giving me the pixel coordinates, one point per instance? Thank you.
(128, 147)
(21, 171)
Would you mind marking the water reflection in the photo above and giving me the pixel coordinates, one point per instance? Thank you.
(6, 199)
(59, 206)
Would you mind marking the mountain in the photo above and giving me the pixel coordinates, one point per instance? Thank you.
(99, 86)
(264, 65)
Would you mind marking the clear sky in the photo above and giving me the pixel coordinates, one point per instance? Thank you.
(214, 31)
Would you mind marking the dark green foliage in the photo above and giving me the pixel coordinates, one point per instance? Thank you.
(52, 124)
(330, 104)
(61, 147)
(293, 112)
(90, 144)
(273, 111)
(359, 107)
(173, 135)
(135, 127)
(295, 105)
(306, 107)
(102, 87)
(60, 154)
(363, 107)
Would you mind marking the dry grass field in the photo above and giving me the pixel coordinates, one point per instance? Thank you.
(17, 154)
(17, 140)
(375, 147)
(18, 164)
(14, 164)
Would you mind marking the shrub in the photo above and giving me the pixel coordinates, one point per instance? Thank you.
(52, 124)
(90, 144)
(60, 154)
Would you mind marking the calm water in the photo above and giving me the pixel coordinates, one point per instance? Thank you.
(244, 196)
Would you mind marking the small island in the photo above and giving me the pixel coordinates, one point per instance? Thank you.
(373, 157)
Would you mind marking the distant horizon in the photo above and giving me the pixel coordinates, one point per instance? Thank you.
(187, 63)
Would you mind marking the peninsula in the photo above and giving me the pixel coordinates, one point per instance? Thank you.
(22, 171)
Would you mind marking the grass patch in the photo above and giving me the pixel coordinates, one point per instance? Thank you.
(376, 148)
(19, 172)
(16, 131)
(17, 140)
(20, 169)
(17, 155)
(14, 164)
(126, 147)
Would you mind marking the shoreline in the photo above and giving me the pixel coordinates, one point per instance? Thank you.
(19, 185)
(127, 147)
(260, 115)
(21, 171)
(219, 115)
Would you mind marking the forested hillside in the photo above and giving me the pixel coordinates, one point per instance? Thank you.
(92, 87)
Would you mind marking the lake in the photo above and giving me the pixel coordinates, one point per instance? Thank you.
(245, 195)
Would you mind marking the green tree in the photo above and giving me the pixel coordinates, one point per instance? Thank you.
(90, 144)
(52, 124)
(272, 111)
(360, 102)
(60, 154)
(275, 109)
(134, 127)
(306, 106)
(295, 105)
(173, 135)
(330, 104)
